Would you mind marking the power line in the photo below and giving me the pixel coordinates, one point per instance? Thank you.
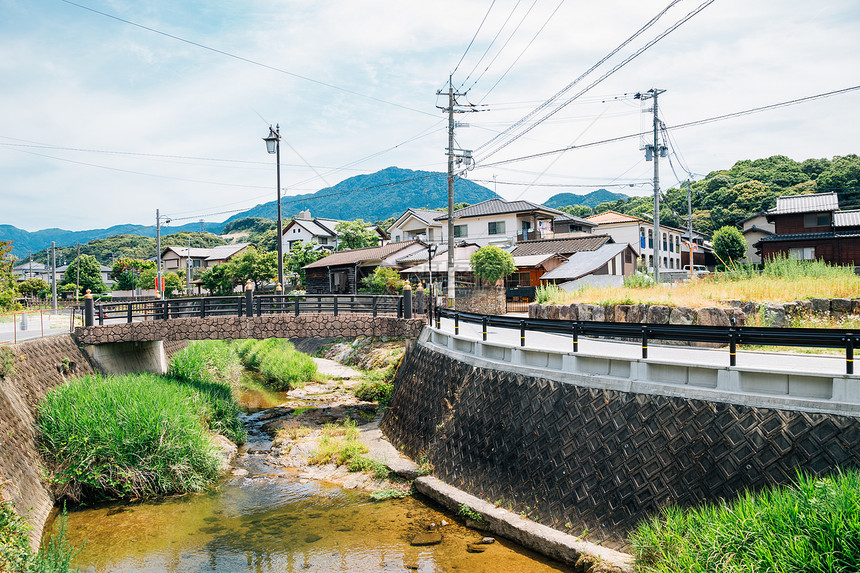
(481, 25)
(492, 42)
(244, 59)
(623, 63)
(578, 185)
(679, 126)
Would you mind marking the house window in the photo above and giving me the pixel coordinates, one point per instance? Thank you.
(641, 238)
(461, 230)
(664, 242)
(650, 260)
(496, 228)
(396, 238)
(650, 239)
(816, 219)
(518, 280)
(323, 240)
(802, 253)
(195, 263)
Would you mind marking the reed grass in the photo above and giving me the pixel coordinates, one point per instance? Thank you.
(280, 365)
(780, 280)
(812, 525)
(212, 369)
(126, 437)
(54, 556)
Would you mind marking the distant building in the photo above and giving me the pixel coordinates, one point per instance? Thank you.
(175, 259)
(342, 271)
(321, 231)
(755, 228)
(811, 227)
(639, 233)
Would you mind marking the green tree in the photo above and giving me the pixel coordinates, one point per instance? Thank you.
(252, 265)
(576, 210)
(126, 272)
(383, 281)
(218, 280)
(303, 253)
(33, 287)
(729, 245)
(355, 235)
(8, 288)
(843, 177)
(491, 263)
(90, 274)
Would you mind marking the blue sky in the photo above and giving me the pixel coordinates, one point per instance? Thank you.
(104, 122)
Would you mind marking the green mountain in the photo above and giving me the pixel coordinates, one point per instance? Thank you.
(374, 197)
(592, 199)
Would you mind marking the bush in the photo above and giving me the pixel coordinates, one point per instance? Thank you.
(126, 436)
(384, 281)
(378, 391)
(491, 263)
(55, 556)
(546, 293)
(281, 366)
(811, 525)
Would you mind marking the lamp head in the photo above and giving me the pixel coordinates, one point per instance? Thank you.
(272, 140)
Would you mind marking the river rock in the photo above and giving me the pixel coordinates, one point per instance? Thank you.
(749, 307)
(573, 311)
(488, 541)
(682, 315)
(820, 306)
(855, 306)
(312, 538)
(239, 472)
(585, 311)
(598, 313)
(712, 316)
(737, 314)
(839, 307)
(475, 548)
(564, 312)
(553, 312)
(427, 538)
(227, 450)
(658, 314)
(534, 308)
(774, 315)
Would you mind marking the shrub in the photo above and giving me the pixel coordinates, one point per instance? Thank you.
(491, 263)
(729, 245)
(375, 390)
(126, 436)
(811, 525)
(546, 293)
(384, 281)
(55, 556)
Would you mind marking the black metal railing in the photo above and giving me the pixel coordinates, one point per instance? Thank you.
(247, 305)
(729, 335)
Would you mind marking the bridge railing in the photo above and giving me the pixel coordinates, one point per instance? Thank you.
(247, 305)
(729, 335)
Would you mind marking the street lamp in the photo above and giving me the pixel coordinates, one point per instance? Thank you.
(273, 145)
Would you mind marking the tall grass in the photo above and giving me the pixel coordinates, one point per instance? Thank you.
(280, 365)
(55, 556)
(812, 525)
(781, 280)
(126, 436)
(211, 368)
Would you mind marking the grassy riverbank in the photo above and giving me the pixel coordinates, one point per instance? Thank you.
(781, 280)
(280, 365)
(813, 525)
(141, 435)
(15, 553)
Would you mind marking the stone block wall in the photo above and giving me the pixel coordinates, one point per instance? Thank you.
(774, 314)
(269, 326)
(596, 458)
(40, 365)
(479, 300)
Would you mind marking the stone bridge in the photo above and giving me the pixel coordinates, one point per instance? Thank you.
(139, 346)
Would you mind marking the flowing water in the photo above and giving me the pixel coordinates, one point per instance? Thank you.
(271, 520)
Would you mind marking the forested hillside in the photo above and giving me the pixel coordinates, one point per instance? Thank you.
(727, 197)
(592, 199)
(133, 246)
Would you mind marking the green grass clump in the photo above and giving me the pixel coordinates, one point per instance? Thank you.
(212, 369)
(548, 292)
(389, 493)
(280, 365)
(55, 556)
(812, 525)
(126, 436)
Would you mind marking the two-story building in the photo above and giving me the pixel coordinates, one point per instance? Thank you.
(174, 259)
(811, 227)
(640, 234)
(492, 222)
(318, 230)
(755, 228)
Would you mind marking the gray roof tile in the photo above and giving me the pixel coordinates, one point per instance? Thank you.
(815, 203)
(560, 246)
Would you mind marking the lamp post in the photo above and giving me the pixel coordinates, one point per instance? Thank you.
(273, 145)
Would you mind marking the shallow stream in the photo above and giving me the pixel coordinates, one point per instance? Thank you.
(271, 520)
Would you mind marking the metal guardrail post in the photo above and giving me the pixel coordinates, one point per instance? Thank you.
(249, 299)
(129, 313)
(438, 317)
(334, 305)
(202, 308)
(319, 305)
(644, 342)
(296, 300)
(849, 353)
(522, 333)
(575, 333)
(372, 306)
(456, 323)
(89, 311)
(484, 327)
(407, 301)
(165, 311)
(733, 348)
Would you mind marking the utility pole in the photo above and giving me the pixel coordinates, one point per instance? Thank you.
(188, 267)
(690, 223)
(655, 151)
(466, 156)
(53, 275)
(78, 273)
(158, 285)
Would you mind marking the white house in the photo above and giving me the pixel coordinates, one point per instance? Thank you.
(320, 231)
(640, 234)
(417, 224)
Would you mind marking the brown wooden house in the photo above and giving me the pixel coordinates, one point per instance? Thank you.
(811, 227)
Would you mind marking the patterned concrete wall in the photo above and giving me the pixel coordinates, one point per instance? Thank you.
(39, 366)
(269, 326)
(598, 459)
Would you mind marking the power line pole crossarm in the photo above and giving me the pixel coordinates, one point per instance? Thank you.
(654, 151)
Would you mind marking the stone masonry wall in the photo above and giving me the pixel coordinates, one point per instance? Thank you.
(269, 326)
(774, 314)
(479, 300)
(40, 365)
(598, 459)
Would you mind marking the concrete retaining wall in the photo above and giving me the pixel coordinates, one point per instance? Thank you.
(575, 456)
